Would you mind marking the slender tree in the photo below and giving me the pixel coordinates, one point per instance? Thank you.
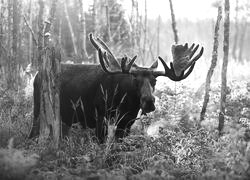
(84, 52)
(40, 33)
(94, 15)
(108, 21)
(73, 37)
(235, 42)
(158, 34)
(224, 66)
(9, 77)
(2, 10)
(50, 122)
(176, 38)
(244, 26)
(213, 64)
(145, 33)
(30, 37)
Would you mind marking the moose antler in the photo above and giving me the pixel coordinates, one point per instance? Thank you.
(182, 56)
(99, 44)
(111, 64)
(124, 67)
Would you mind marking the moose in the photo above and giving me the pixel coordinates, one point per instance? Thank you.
(114, 90)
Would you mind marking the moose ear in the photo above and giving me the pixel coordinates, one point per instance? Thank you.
(154, 65)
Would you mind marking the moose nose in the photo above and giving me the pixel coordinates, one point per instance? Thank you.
(147, 104)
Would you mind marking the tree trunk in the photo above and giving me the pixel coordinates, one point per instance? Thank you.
(158, 35)
(108, 21)
(224, 67)
(40, 33)
(9, 77)
(176, 39)
(70, 28)
(145, 34)
(50, 122)
(242, 40)
(1, 32)
(84, 52)
(138, 27)
(213, 64)
(235, 42)
(135, 26)
(94, 26)
(39, 53)
(30, 38)
(49, 116)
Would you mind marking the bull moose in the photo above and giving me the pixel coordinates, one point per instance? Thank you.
(114, 90)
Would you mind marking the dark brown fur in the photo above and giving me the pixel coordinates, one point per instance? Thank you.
(84, 82)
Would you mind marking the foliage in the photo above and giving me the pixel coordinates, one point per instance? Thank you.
(177, 147)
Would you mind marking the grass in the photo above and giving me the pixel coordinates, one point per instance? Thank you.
(167, 144)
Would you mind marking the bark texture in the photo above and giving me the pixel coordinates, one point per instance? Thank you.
(84, 52)
(73, 37)
(213, 64)
(224, 67)
(176, 38)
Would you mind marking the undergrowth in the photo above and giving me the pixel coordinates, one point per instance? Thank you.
(169, 143)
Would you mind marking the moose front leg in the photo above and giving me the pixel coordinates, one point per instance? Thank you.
(123, 128)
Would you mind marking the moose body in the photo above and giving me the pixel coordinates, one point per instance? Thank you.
(113, 91)
(87, 84)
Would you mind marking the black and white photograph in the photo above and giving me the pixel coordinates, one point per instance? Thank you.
(124, 89)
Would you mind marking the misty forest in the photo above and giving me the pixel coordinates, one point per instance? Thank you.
(124, 89)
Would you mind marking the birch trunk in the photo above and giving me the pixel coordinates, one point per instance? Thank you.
(49, 116)
(30, 37)
(94, 26)
(242, 40)
(213, 64)
(1, 31)
(9, 77)
(84, 52)
(176, 38)
(108, 21)
(224, 67)
(145, 34)
(235, 42)
(70, 27)
(158, 35)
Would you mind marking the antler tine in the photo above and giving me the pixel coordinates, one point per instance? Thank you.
(167, 72)
(193, 51)
(131, 62)
(123, 64)
(100, 54)
(191, 47)
(104, 45)
(196, 57)
(189, 71)
(106, 58)
(98, 43)
(101, 60)
(199, 55)
(91, 38)
(164, 64)
(170, 73)
(184, 54)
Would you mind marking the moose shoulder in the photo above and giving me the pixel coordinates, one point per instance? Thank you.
(115, 90)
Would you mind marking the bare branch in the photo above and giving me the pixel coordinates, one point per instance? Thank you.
(31, 30)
